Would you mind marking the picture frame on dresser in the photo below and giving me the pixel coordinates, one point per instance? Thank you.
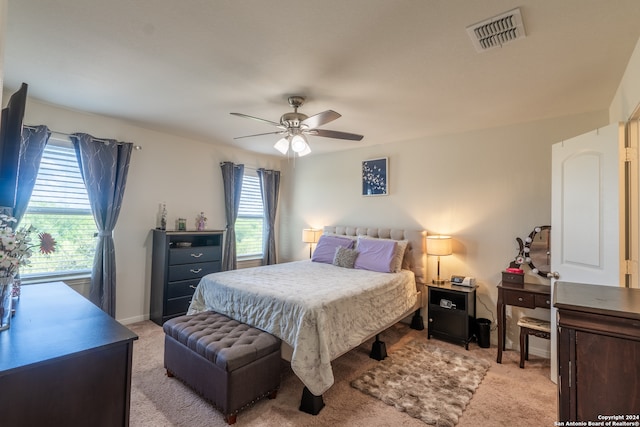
(375, 177)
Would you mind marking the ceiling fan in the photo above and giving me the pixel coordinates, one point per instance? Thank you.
(294, 128)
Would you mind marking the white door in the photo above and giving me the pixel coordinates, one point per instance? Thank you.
(585, 213)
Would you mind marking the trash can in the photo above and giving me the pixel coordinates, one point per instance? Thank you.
(483, 332)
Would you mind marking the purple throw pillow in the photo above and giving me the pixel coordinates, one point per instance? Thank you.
(375, 255)
(326, 248)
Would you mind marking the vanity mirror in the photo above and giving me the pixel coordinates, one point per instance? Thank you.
(535, 250)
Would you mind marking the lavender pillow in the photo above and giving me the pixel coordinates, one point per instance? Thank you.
(375, 255)
(326, 248)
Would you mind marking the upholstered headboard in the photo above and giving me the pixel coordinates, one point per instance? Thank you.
(415, 256)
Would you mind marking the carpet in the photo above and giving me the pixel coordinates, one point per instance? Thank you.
(428, 383)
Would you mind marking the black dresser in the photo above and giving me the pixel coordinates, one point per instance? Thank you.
(64, 362)
(179, 260)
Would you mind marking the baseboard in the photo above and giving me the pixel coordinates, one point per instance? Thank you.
(134, 319)
(544, 352)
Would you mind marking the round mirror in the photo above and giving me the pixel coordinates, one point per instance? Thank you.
(537, 250)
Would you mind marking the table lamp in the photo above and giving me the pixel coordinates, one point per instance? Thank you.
(311, 236)
(439, 246)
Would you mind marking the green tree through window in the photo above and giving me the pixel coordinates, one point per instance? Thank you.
(59, 205)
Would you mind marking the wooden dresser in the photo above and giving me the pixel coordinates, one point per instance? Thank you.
(177, 269)
(64, 362)
(598, 352)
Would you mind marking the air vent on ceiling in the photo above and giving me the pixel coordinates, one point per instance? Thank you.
(496, 31)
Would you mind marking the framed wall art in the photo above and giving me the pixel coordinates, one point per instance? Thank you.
(375, 177)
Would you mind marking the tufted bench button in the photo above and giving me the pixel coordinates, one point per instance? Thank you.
(229, 363)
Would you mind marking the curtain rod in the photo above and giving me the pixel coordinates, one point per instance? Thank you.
(245, 166)
(135, 147)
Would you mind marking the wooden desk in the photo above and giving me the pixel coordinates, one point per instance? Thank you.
(64, 362)
(527, 295)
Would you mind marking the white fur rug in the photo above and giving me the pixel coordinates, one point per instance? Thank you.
(426, 382)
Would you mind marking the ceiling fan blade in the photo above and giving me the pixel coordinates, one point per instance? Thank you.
(257, 118)
(260, 134)
(335, 134)
(320, 119)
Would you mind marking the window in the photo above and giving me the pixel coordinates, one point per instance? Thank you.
(250, 221)
(59, 205)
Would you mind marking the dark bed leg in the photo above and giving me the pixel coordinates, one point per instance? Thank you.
(378, 349)
(416, 322)
(310, 403)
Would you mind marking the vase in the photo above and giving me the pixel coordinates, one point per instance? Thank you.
(6, 288)
(15, 294)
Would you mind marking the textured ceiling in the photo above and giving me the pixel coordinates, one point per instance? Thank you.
(395, 70)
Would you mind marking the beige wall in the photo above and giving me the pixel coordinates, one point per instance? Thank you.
(183, 173)
(485, 188)
(627, 97)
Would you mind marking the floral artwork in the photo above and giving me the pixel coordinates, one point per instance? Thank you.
(16, 246)
(375, 180)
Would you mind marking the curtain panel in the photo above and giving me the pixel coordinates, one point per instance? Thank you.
(104, 165)
(232, 181)
(269, 187)
(34, 140)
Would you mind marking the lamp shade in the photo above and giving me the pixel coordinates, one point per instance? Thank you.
(310, 235)
(439, 245)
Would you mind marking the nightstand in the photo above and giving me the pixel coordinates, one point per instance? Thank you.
(451, 313)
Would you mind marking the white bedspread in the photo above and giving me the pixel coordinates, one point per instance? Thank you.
(321, 310)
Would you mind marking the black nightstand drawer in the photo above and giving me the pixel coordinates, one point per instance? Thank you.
(448, 299)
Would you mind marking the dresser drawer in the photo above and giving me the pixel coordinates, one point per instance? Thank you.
(184, 288)
(194, 254)
(192, 271)
(177, 305)
(520, 299)
(543, 301)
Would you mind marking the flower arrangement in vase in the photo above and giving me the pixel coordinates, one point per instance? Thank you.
(16, 247)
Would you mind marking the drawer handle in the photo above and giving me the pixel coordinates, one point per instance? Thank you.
(520, 299)
(192, 286)
(197, 255)
(548, 302)
(195, 271)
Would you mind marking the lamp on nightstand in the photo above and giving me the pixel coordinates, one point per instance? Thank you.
(439, 246)
(311, 236)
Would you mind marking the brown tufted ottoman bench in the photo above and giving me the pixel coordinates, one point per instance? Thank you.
(229, 363)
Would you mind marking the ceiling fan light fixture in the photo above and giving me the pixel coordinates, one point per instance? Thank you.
(282, 145)
(299, 143)
(305, 151)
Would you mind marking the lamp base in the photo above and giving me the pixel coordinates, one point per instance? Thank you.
(438, 281)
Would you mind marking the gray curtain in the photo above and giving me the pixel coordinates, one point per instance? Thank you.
(104, 164)
(232, 181)
(269, 187)
(34, 139)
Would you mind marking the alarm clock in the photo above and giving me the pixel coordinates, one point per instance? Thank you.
(463, 281)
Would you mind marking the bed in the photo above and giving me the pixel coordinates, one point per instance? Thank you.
(318, 309)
